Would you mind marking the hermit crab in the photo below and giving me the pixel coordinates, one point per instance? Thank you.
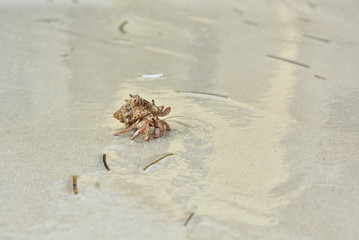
(138, 110)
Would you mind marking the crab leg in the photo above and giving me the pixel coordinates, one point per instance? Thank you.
(156, 133)
(155, 130)
(158, 127)
(166, 124)
(147, 131)
(139, 131)
(129, 128)
(160, 124)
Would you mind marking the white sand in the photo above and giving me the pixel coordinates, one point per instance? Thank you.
(276, 159)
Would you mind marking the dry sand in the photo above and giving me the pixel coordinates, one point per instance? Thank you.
(273, 154)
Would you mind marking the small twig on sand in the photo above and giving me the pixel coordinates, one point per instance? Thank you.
(104, 162)
(317, 38)
(122, 26)
(320, 77)
(74, 184)
(203, 93)
(288, 61)
(157, 161)
(189, 218)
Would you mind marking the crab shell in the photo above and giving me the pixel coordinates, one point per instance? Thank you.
(136, 108)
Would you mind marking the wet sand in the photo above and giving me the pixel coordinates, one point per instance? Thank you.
(266, 148)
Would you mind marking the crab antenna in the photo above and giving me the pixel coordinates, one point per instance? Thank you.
(173, 117)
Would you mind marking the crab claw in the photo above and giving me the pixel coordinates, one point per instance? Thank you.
(165, 112)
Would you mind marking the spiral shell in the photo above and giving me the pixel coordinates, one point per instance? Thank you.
(137, 108)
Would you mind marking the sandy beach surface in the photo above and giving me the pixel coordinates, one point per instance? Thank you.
(265, 145)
